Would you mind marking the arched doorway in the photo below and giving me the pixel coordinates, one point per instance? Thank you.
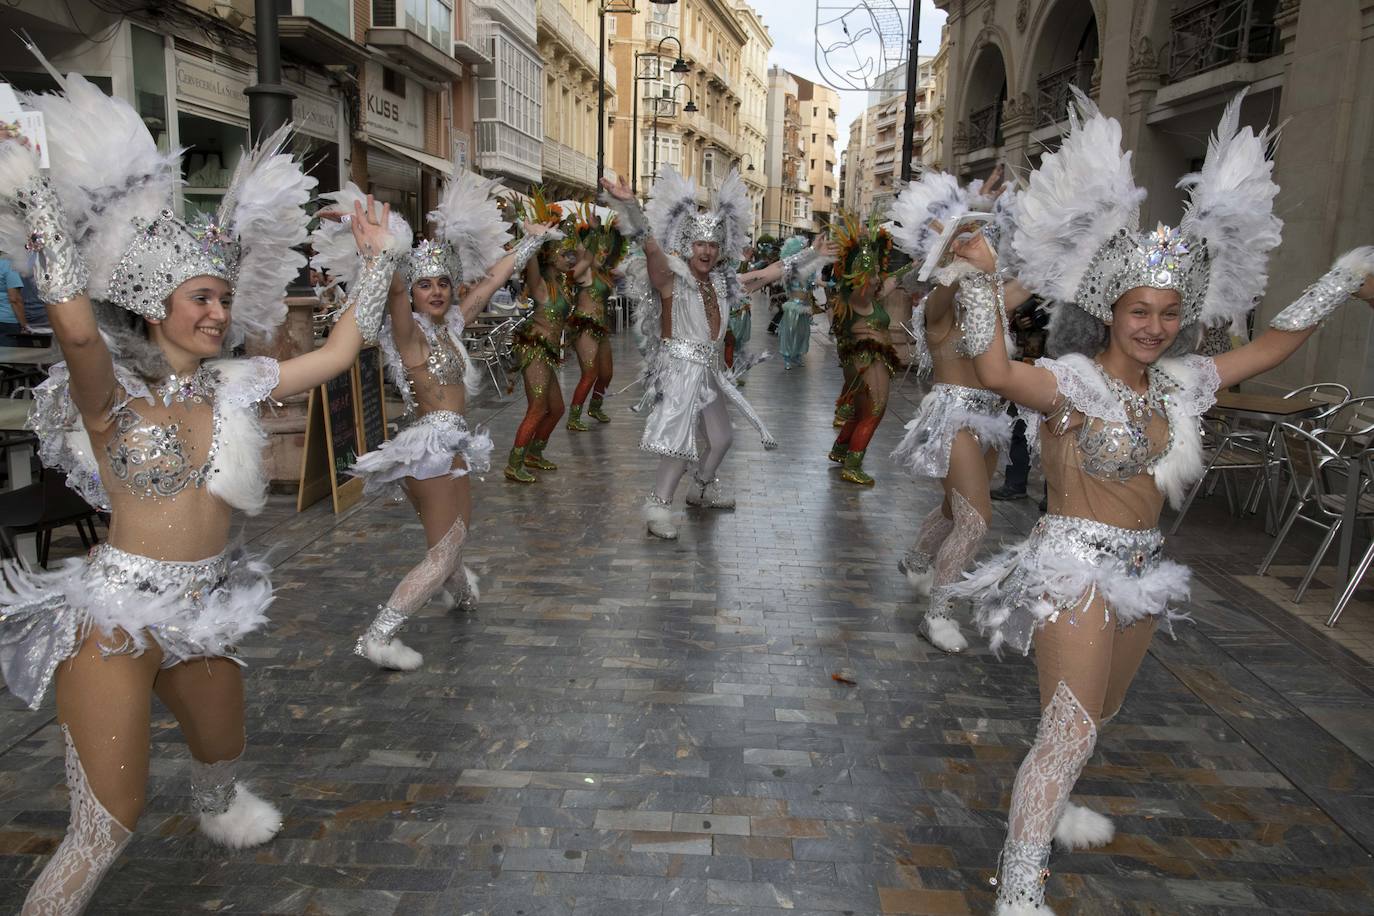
(986, 96)
(1065, 56)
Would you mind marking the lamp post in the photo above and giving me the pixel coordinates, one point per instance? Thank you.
(750, 168)
(679, 66)
(690, 107)
(269, 102)
(608, 6)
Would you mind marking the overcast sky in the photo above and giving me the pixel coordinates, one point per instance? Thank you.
(791, 23)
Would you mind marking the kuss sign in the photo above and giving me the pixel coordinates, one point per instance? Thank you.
(399, 119)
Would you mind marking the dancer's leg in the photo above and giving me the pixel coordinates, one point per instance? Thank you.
(553, 406)
(461, 589)
(585, 347)
(536, 376)
(1073, 658)
(206, 696)
(920, 556)
(869, 409)
(1128, 651)
(970, 507)
(439, 504)
(658, 506)
(103, 705)
(605, 369)
(720, 435)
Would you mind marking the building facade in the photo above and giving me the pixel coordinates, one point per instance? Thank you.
(875, 140)
(510, 92)
(819, 108)
(568, 33)
(1168, 70)
(754, 108)
(658, 128)
(787, 203)
(383, 97)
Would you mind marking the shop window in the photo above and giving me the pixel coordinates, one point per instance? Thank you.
(213, 149)
(393, 82)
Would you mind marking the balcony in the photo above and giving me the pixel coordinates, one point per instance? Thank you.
(985, 127)
(1215, 33)
(563, 163)
(518, 15)
(564, 30)
(318, 31)
(417, 35)
(1054, 91)
(504, 150)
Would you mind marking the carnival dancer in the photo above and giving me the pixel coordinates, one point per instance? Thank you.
(742, 314)
(430, 461)
(960, 425)
(153, 422)
(794, 331)
(539, 343)
(1119, 431)
(686, 287)
(860, 324)
(593, 282)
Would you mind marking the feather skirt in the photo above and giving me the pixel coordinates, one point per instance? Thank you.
(1061, 568)
(425, 449)
(190, 610)
(947, 409)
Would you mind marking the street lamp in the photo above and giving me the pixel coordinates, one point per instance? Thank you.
(679, 66)
(610, 6)
(690, 108)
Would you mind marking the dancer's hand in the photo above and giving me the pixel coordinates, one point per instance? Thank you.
(1366, 290)
(370, 226)
(972, 247)
(535, 229)
(825, 246)
(618, 188)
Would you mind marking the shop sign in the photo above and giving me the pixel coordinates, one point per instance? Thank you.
(315, 113)
(393, 117)
(212, 85)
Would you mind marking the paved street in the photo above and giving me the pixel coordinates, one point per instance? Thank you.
(627, 726)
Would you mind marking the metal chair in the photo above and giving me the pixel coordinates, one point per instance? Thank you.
(41, 508)
(1320, 477)
(1360, 569)
(1232, 450)
(909, 327)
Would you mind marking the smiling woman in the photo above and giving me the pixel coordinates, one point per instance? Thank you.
(152, 422)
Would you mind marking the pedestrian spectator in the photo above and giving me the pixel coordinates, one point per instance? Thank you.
(12, 320)
(1028, 328)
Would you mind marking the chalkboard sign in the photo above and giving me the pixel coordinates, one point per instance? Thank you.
(371, 405)
(331, 444)
(341, 423)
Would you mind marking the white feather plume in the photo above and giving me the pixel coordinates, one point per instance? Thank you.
(107, 171)
(933, 196)
(469, 218)
(737, 212)
(335, 250)
(1231, 208)
(1078, 198)
(672, 201)
(264, 209)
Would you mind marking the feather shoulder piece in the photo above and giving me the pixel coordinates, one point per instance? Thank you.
(332, 241)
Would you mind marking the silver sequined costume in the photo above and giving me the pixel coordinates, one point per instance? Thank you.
(190, 609)
(1125, 460)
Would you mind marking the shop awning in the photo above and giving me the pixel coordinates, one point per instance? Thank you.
(442, 166)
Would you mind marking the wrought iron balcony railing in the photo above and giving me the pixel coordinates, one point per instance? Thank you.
(985, 127)
(1052, 91)
(1214, 33)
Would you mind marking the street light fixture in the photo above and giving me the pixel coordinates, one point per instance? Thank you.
(679, 66)
(612, 6)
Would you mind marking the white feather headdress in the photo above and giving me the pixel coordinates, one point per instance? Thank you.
(676, 222)
(106, 169)
(933, 196)
(468, 220)
(1231, 211)
(1080, 197)
(264, 213)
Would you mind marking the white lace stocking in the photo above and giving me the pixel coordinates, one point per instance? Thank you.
(933, 531)
(955, 553)
(420, 584)
(93, 841)
(1063, 744)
